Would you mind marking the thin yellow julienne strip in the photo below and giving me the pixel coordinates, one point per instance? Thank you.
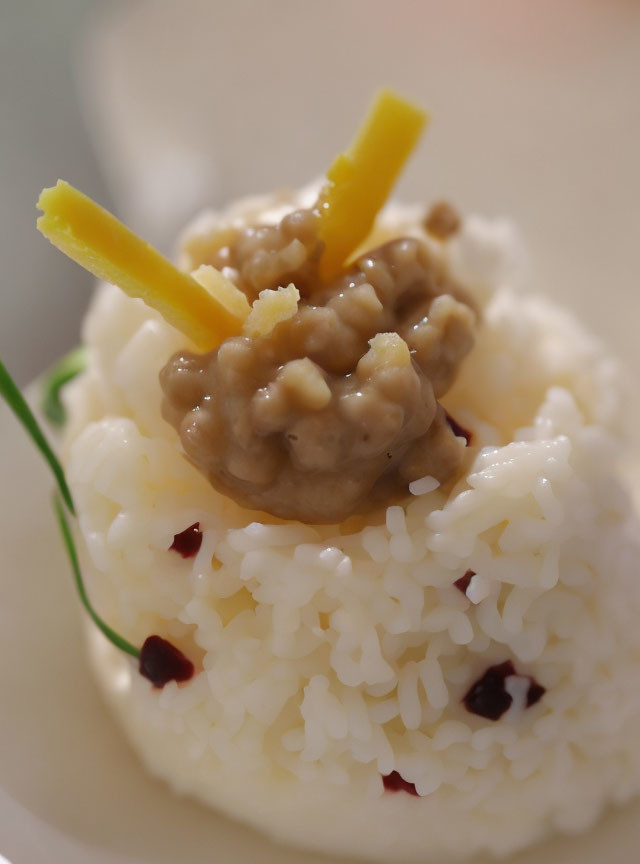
(223, 290)
(100, 243)
(360, 180)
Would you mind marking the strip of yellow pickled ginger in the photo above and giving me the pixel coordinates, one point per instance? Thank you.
(100, 243)
(360, 180)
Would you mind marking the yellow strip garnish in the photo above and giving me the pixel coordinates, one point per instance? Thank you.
(224, 291)
(360, 180)
(100, 243)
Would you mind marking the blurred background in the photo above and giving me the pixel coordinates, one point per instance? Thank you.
(156, 108)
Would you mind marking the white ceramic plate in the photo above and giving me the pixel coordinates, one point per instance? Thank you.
(71, 791)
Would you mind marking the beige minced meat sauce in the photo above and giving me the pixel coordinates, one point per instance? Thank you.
(335, 410)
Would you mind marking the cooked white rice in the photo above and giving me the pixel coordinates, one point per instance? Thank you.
(333, 655)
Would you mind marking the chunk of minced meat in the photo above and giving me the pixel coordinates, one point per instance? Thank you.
(335, 411)
(268, 256)
(442, 221)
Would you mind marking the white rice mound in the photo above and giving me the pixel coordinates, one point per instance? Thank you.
(331, 655)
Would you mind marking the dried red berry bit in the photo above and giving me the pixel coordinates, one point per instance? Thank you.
(535, 692)
(188, 542)
(463, 582)
(488, 696)
(161, 662)
(458, 430)
(395, 782)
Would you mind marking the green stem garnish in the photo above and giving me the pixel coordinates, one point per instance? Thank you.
(15, 400)
(70, 546)
(64, 371)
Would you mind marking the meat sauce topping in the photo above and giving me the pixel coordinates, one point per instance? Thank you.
(336, 409)
(442, 221)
